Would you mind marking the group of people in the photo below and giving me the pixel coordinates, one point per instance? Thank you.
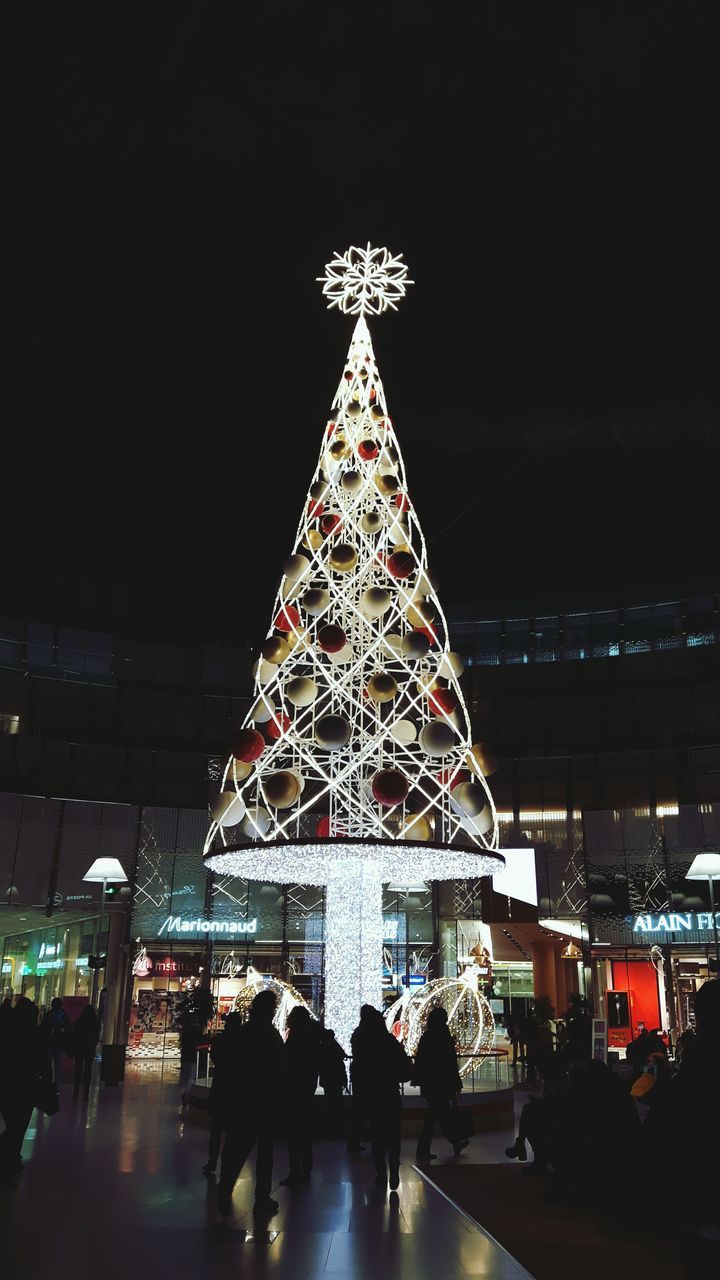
(605, 1134)
(31, 1053)
(253, 1067)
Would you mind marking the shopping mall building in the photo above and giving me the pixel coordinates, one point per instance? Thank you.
(605, 721)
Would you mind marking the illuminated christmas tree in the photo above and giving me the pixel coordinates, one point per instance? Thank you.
(356, 765)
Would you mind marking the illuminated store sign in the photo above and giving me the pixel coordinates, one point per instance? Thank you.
(676, 922)
(176, 924)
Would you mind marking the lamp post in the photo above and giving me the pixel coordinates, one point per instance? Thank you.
(706, 866)
(103, 871)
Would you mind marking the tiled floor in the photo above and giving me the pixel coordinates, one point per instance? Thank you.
(115, 1185)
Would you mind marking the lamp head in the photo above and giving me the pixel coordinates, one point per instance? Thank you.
(704, 866)
(105, 869)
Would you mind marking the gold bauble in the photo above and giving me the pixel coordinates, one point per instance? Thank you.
(312, 539)
(387, 484)
(343, 557)
(318, 491)
(481, 756)
(382, 687)
(354, 409)
(240, 770)
(421, 613)
(339, 449)
(417, 827)
(281, 789)
(275, 650)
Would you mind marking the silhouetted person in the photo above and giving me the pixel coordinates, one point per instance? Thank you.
(688, 1118)
(333, 1078)
(85, 1035)
(302, 1064)
(379, 1065)
(23, 1060)
(190, 1038)
(539, 1118)
(436, 1072)
(256, 1065)
(56, 1034)
(223, 1053)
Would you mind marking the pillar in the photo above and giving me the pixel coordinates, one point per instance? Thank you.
(544, 974)
(353, 944)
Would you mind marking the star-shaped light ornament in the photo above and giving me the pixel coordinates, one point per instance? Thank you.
(365, 282)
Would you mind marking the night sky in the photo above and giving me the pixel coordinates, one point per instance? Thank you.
(178, 176)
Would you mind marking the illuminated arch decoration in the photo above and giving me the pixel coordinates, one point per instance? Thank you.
(287, 998)
(470, 1018)
(356, 764)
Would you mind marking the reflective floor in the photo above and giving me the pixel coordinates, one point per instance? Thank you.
(116, 1184)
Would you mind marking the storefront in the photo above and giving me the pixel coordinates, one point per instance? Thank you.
(54, 961)
(652, 982)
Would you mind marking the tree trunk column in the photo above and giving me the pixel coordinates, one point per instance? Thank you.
(353, 944)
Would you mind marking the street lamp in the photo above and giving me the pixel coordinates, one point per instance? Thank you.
(103, 871)
(706, 866)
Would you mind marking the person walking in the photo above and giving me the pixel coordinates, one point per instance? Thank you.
(436, 1072)
(56, 1034)
(302, 1065)
(333, 1079)
(222, 1056)
(256, 1065)
(85, 1035)
(380, 1064)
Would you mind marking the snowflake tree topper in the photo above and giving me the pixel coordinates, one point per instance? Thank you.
(364, 282)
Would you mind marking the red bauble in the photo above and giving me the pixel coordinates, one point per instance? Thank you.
(330, 524)
(372, 394)
(288, 618)
(315, 508)
(442, 701)
(323, 828)
(278, 725)
(331, 638)
(368, 449)
(402, 502)
(330, 428)
(248, 745)
(390, 787)
(425, 631)
(401, 564)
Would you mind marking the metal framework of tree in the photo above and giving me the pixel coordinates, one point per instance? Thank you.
(356, 759)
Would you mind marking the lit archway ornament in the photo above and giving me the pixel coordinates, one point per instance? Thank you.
(470, 1018)
(355, 765)
(288, 998)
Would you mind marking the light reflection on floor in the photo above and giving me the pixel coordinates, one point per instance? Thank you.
(119, 1179)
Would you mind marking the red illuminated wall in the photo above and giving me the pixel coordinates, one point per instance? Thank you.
(640, 980)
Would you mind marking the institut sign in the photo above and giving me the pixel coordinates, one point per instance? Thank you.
(236, 928)
(676, 922)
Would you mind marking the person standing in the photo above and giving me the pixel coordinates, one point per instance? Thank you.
(256, 1065)
(190, 1037)
(24, 1060)
(302, 1065)
(85, 1035)
(333, 1079)
(56, 1034)
(436, 1072)
(222, 1055)
(380, 1064)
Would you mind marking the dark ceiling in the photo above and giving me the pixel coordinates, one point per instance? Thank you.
(177, 178)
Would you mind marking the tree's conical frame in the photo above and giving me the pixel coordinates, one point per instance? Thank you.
(357, 748)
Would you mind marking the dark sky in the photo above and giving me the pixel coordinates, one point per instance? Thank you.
(179, 174)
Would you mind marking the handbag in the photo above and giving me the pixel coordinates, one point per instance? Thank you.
(464, 1122)
(45, 1097)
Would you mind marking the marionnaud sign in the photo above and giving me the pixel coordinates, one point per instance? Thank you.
(177, 924)
(676, 922)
